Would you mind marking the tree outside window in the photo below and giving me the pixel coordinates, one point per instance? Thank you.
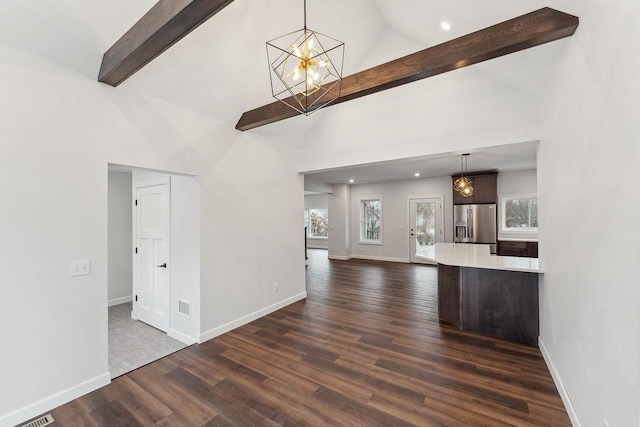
(318, 223)
(371, 220)
(520, 213)
(426, 224)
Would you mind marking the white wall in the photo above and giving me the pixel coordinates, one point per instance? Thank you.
(120, 271)
(185, 256)
(395, 211)
(339, 222)
(589, 246)
(64, 128)
(517, 182)
(468, 108)
(511, 183)
(316, 201)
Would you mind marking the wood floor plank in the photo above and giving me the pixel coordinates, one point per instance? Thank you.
(364, 348)
(74, 414)
(359, 412)
(132, 397)
(215, 397)
(112, 414)
(185, 409)
(439, 402)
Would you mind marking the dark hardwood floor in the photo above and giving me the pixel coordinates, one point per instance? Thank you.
(365, 348)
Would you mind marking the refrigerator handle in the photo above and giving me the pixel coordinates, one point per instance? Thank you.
(470, 222)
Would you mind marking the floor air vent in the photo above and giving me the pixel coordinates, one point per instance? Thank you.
(184, 307)
(40, 422)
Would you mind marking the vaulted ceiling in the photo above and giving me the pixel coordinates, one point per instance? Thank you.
(220, 69)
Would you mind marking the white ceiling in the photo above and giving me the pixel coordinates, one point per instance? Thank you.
(520, 156)
(220, 69)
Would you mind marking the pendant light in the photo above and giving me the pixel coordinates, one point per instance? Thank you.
(305, 68)
(463, 185)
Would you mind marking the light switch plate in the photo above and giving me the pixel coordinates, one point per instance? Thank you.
(80, 268)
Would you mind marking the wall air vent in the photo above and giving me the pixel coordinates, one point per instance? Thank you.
(184, 307)
(40, 422)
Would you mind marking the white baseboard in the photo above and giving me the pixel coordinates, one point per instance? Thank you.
(212, 333)
(55, 400)
(118, 301)
(571, 410)
(340, 257)
(380, 258)
(183, 338)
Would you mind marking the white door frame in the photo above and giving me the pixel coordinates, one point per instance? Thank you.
(136, 278)
(440, 225)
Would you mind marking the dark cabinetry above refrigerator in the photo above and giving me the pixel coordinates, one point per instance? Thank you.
(485, 189)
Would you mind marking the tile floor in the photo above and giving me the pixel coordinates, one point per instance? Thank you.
(133, 344)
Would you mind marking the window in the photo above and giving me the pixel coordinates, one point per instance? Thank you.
(371, 220)
(519, 213)
(317, 223)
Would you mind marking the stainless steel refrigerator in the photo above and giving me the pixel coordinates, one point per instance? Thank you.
(474, 223)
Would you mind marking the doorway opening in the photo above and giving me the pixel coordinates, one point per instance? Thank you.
(153, 265)
(425, 225)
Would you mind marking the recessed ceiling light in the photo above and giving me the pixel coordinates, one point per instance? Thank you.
(445, 25)
(417, 174)
(351, 181)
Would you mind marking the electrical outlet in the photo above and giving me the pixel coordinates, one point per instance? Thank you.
(80, 268)
(276, 287)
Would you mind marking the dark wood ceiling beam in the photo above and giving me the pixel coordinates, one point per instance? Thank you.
(164, 25)
(526, 31)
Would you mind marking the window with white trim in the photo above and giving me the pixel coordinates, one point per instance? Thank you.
(317, 223)
(371, 220)
(519, 213)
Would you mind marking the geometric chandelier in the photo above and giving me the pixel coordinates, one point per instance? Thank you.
(462, 185)
(305, 68)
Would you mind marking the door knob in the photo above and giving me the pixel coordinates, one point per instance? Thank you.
(162, 265)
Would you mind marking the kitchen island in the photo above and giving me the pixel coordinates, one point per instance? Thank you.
(484, 293)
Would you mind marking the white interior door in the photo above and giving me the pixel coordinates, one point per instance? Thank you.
(425, 225)
(153, 267)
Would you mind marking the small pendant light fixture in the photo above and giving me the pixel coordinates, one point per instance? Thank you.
(305, 68)
(462, 185)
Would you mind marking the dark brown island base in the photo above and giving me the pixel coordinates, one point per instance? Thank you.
(487, 294)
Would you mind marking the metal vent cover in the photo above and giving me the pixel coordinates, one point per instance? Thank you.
(184, 307)
(40, 422)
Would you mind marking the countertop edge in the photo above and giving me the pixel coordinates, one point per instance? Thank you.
(445, 259)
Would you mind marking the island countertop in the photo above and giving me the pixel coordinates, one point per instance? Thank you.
(477, 256)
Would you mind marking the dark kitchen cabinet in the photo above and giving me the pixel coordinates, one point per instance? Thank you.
(498, 303)
(449, 295)
(532, 249)
(523, 249)
(485, 189)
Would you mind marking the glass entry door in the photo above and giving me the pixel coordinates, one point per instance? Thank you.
(425, 225)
